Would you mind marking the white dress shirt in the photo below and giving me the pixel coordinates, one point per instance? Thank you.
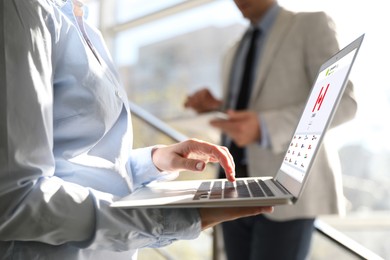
(66, 145)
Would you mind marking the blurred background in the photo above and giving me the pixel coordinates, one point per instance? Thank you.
(167, 49)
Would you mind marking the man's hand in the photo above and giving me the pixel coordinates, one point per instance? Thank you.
(193, 155)
(242, 127)
(202, 101)
(213, 216)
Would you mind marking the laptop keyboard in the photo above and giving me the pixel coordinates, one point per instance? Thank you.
(225, 189)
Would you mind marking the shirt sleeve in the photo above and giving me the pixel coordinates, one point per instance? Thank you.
(35, 205)
(142, 169)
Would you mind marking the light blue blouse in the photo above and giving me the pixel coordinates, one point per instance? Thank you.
(66, 145)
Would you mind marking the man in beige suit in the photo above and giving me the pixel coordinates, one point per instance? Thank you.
(290, 49)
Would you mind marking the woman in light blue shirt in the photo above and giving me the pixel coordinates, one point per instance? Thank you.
(65, 146)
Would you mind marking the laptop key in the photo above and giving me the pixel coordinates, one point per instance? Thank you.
(255, 189)
(242, 189)
(229, 191)
(216, 191)
(203, 191)
(266, 189)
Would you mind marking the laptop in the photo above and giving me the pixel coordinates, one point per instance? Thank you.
(288, 183)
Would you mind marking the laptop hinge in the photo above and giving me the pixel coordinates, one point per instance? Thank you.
(280, 186)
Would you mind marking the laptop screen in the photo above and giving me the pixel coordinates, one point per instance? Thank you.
(325, 95)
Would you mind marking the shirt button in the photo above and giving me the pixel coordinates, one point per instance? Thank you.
(118, 94)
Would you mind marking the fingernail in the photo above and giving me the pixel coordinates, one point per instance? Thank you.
(199, 166)
(234, 176)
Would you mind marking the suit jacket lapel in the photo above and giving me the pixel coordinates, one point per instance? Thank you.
(227, 67)
(271, 47)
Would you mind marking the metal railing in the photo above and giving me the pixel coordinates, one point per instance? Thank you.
(344, 242)
(334, 236)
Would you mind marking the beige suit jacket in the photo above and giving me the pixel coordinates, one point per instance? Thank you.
(293, 52)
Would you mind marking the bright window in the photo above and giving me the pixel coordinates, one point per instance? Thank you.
(131, 9)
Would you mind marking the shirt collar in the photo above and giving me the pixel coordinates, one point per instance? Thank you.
(268, 19)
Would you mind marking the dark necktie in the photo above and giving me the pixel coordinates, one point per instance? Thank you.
(244, 93)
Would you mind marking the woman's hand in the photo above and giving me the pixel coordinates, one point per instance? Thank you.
(193, 155)
(213, 216)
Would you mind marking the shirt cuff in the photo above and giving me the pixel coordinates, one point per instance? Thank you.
(142, 169)
(265, 141)
(186, 227)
